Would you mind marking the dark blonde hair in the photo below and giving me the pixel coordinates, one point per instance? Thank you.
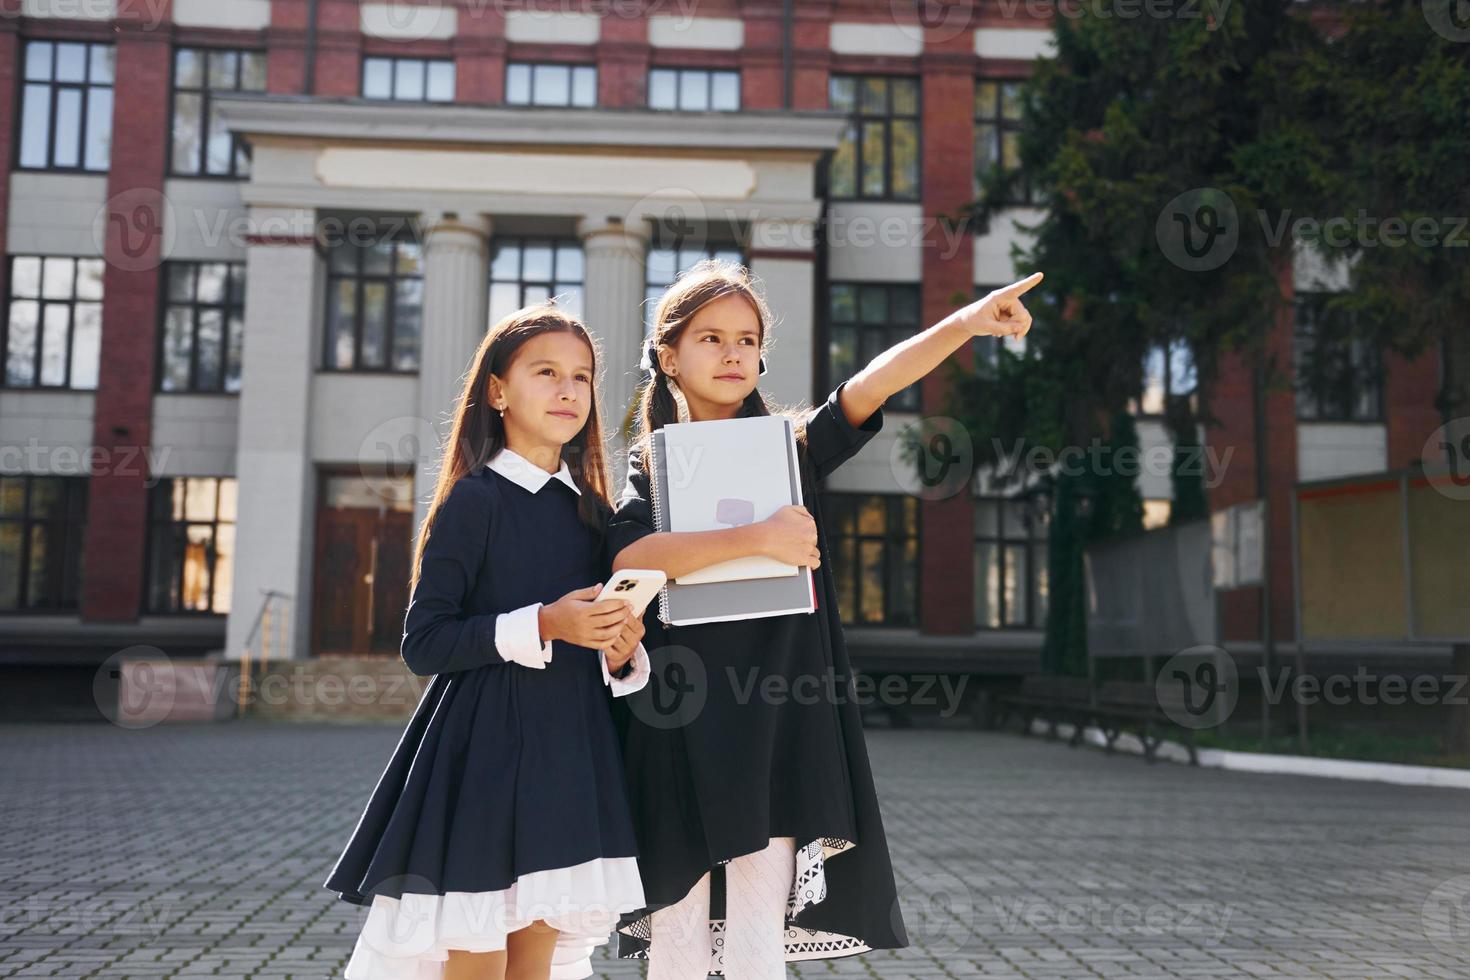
(478, 433)
(704, 282)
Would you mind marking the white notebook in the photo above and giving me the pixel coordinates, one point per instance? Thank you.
(725, 474)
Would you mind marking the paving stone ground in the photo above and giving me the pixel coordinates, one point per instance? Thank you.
(199, 850)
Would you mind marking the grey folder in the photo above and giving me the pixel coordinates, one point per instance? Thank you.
(713, 602)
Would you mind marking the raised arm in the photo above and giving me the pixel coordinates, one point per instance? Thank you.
(998, 314)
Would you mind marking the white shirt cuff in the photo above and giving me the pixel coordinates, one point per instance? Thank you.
(635, 681)
(518, 637)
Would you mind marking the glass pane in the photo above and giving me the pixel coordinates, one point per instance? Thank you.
(187, 132)
(570, 298)
(518, 84)
(870, 559)
(987, 586)
(103, 57)
(57, 274)
(38, 61)
(55, 318)
(377, 78)
(551, 85)
(38, 584)
(1010, 149)
(873, 304)
(224, 564)
(987, 100)
(987, 147)
(342, 257)
(213, 277)
(536, 261)
(408, 258)
(1016, 579)
(188, 68)
(211, 349)
(408, 80)
(842, 172)
(506, 262)
(71, 62)
(407, 321)
(12, 496)
(694, 90)
(219, 153)
(1039, 573)
(228, 495)
(905, 140)
(86, 345)
(987, 517)
(198, 556)
(35, 127)
(505, 299)
(902, 594)
(725, 91)
(689, 258)
(99, 128)
(224, 66)
(252, 71)
(842, 353)
(905, 93)
(66, 139)
(533, 295)
(661, 266)
(903, 306)
(441, 81)
(871, 515)
(373, 352)
(844, 303)
(25, 276)
(662, 89)
(569, 263)
(177, 348)
(843, 578)
(841, 93)
(237, 283)
(874, 94)
(1013, 518)
(874, 156)
(199, 493)
(341, 313)
(12, 549)
(234, 351)
(1010, 100)
(584, 87)
(377, 256)
(20, 350)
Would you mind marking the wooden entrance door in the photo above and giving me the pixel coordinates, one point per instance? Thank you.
(363, 551)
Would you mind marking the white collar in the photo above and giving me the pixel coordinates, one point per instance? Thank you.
(526, 474)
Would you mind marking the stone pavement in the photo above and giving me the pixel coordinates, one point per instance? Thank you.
(199, 850)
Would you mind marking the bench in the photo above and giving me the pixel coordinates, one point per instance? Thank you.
(1051, 698)
(1113, 707)
(1134, 706)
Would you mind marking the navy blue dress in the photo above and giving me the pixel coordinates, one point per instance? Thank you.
(506, 789)
(741, 769)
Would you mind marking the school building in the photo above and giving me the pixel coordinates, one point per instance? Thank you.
(250, 244)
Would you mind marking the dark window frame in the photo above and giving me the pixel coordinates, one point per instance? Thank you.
(70, 527)
(653, 287)
(857, 117)
(842, 517)
(572, 68)
(1171, 389)
(231, 341)
(163, 491)
(394, 60)
(42, 302)
(239, 148)
(1034, 545)
(556, 243)
(1028, 196)
(890, 332)
(53, 87)
(399, 236)
(1339, 381)
(679, 73)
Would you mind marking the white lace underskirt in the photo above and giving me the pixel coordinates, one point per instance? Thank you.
(409, 938)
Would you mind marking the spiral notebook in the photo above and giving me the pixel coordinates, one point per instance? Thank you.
(708, 475)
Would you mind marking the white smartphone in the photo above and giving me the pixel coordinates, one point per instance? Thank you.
(637, 585)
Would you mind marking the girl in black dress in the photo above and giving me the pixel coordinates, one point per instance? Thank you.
(759, 835)
(498, 841)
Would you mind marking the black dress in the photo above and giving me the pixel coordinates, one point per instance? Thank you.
(720, 777)
(504, 801)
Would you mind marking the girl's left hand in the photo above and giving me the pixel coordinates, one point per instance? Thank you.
(1000, 314)
(627, 642)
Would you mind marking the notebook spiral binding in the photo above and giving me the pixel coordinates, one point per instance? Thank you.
(656, 499)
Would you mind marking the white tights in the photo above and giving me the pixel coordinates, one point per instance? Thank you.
(756, 889)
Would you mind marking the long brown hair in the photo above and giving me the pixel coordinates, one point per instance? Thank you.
(478, 433)
(703, 283)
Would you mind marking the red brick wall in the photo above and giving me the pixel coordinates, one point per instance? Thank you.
(947, 99)
(114, 546)
(622, 61)
(339, 48)
(479, 54)
(1410, 389)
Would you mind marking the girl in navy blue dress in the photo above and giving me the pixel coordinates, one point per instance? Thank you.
(498, 841)
(760, 839)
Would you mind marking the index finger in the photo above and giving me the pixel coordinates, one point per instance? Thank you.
(608, 606)
(1017, 288)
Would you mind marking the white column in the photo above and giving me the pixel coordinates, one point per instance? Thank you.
(614, 312)
(274, 524)
(781, 257)
(456, 294)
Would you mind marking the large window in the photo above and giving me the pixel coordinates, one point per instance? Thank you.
(53, 329)
(669, 257)
(66, 106)
(203, 326)
(550, 84)
(201, 144)
(532, 270)
(1010, 564)
(191, 544)
(998, 136)
(1168, 373)
(878, 157)
(865, 319)
(42, 522)
(375, 299)
(1339, 378)
(693, 89)
(408, 79)
(875, 557)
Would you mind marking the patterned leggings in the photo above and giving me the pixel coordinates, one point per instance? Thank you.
(756, 889)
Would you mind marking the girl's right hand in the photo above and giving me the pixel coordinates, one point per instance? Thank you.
(576, 618)
(791, 537)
